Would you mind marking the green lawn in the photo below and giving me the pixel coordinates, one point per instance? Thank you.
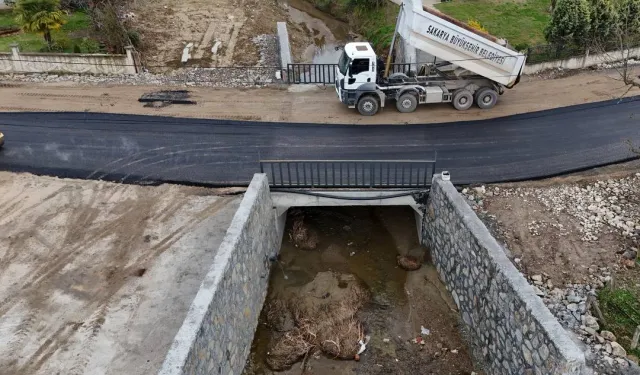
(73, 33)
(520, 22)
(621, 310)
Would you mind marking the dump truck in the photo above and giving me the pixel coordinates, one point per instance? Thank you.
(483, 66)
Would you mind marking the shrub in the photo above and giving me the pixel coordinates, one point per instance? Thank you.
(134, 38)
(74, 4)
(476, 25)
(89, 46)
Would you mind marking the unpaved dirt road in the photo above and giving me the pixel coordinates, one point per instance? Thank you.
(305, 104)
(96, 278)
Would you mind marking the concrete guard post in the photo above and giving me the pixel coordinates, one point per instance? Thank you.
(285, 48)
(16, 62)
(130, 67)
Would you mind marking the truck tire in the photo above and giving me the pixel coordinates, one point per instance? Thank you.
(368, 105)
(486, 98)
(462, 100)
(407, 103)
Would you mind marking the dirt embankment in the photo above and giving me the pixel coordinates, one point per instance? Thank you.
(97, 277)
(223, 33)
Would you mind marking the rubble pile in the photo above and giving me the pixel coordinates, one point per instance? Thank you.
(204, 77)
(599, 207)
(571, 306)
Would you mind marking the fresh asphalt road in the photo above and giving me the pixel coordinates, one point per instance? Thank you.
(221, 152)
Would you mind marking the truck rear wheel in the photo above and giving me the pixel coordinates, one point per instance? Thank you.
(462, 100)
(407, 103)
(486, 98)
(368, 105)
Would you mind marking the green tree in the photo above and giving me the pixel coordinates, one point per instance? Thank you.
(629, 11)
(604, 18)
(570, 23)
(39, 16)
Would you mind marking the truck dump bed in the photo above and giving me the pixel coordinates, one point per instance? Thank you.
(448, 39)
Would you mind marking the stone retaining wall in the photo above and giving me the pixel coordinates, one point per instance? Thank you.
(216, 335)
(509, 328)
(79, 63)
(582, 62)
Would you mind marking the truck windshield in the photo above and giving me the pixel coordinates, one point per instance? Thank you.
(343, 64)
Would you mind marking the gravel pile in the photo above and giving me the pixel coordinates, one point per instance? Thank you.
(570, 305)
(630, 62)
(208, 77)
(603, 206)
(269, 49)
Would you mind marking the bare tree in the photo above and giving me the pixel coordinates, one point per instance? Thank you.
(617, 45)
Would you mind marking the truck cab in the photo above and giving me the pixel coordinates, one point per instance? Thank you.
(356, 74)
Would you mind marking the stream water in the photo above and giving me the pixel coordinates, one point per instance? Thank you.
(328, 33)
(403, 308)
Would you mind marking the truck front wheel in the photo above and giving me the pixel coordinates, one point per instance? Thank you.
(407, 103)
(486, 98)
(462, 100)
(368, 105)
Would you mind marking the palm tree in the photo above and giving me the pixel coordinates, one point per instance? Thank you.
(39, 16)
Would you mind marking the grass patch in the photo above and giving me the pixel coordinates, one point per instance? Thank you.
(621, 311)
(376, 24)
(521, 23)
(74, 33)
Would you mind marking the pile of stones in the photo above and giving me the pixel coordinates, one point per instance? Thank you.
(570, 305)
(603, 206)
(204, 77)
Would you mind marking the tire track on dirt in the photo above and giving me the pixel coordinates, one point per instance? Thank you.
(84, 230)
(120, 278)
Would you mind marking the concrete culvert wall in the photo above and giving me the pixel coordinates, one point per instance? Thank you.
(216, 335)
(509, 328)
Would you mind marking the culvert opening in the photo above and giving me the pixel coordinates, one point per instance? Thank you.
(354, 292)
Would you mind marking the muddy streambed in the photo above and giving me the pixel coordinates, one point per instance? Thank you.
(338, 284)
(327, 33)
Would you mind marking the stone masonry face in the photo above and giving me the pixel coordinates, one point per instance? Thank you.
(503, 327)
(224, 339)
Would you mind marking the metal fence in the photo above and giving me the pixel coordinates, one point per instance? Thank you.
(326, 73)
(545, 53)
(349, 173)
(311, 73)
(549, 52)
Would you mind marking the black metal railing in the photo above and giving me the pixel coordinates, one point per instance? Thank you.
(349, 173)
(402, 68)
(311, 73)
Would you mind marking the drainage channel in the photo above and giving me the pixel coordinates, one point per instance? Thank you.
(354, 283)
(302, 287)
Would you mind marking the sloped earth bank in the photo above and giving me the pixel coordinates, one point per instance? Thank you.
(574, 236)
(226, 33)
(338, 282)
(96, 277)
